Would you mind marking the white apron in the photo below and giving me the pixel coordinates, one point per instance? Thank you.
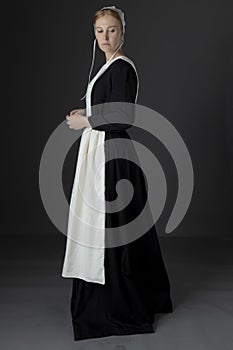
(84, 255)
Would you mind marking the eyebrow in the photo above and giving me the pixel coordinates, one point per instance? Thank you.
(107, 27)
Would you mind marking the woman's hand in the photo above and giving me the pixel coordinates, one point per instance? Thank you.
(79, 111)
(77, 121)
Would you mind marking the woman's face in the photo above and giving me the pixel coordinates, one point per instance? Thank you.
(108, 33)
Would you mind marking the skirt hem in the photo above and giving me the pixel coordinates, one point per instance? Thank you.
(113, 331)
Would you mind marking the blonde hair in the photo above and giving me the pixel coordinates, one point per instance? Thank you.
(101, 13)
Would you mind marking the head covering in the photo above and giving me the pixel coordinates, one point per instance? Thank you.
(122, 17)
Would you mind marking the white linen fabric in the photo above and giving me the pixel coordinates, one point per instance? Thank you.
(84, 256)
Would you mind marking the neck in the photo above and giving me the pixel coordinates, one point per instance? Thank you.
(108, 55)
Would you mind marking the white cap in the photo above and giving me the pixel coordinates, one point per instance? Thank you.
(122, 17)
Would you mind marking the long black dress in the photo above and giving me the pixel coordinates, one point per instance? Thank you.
(136, 281)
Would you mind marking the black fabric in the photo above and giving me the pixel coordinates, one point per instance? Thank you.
(117, 84)
(136, 281)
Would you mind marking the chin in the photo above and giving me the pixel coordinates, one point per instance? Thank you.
(107, 49)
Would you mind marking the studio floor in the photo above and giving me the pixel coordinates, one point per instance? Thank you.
(35, 299)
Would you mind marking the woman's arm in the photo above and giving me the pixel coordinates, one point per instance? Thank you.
(117, 116)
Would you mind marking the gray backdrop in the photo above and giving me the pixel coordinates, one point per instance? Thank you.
(183, 53)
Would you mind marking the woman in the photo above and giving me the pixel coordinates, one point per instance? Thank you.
(116, 289)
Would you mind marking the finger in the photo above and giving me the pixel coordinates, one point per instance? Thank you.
(74, 111)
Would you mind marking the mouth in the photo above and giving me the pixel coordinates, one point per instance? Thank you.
(105, 44)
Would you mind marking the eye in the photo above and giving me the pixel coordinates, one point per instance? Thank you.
(100, 31)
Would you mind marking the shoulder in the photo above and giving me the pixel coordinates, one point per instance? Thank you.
(122, 67)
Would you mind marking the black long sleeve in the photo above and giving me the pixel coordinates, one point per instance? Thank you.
(122, 87)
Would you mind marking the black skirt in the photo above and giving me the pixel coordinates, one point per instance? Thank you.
(136, 281)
